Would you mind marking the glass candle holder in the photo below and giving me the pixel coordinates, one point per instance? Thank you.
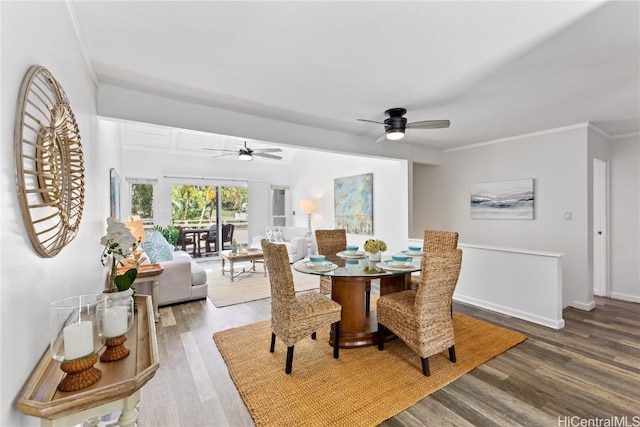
(116, 315)
(76, 337)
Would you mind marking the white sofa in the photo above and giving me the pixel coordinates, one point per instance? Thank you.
(294, 238)
(182, 279)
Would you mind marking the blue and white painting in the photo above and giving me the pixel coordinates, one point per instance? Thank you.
(353, 203)
(502, 200)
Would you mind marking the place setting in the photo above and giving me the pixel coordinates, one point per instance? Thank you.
(398, 262)
(352, 252)
(413, 251)
(319, 263)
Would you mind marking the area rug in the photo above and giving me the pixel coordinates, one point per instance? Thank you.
(247, 286)
(363, 387)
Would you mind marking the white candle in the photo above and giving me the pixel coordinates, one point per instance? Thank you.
(78, 340)
(115, 321)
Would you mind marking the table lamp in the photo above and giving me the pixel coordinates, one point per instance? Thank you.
(136, 227)
(308, 206)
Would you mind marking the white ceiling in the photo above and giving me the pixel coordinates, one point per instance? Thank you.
(495, 69)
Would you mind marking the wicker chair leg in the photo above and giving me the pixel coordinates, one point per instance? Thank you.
(380, 337)
(451, 308)
(452, 354)
(289, 365)
(313, 335)
(273, 342)
(336, 340)
(425, 366)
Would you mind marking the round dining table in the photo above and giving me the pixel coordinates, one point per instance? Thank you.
(349, 273)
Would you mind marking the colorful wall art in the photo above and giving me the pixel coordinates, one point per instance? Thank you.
(502, 200)
(353, 203)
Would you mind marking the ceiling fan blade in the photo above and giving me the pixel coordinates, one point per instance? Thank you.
(429, 124)
(370, 121)
(222, 155)
(267, 150)
(220, 149)
(380, 138)
(268, 156)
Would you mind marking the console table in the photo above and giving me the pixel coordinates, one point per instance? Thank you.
(117, 390)
(148, 273)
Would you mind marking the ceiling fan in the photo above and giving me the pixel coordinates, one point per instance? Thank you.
(395, 124)
(245, 153)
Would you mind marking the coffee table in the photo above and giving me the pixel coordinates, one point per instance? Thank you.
(231, 258)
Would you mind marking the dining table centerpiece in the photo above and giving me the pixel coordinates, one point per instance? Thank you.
(375, 247)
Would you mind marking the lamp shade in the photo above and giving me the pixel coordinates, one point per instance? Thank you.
(308, 206)
(137, 229)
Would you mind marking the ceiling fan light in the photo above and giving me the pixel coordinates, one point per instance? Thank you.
(245, 156)
(395, 134)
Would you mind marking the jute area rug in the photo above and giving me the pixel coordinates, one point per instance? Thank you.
(247, 286)
(363, 387)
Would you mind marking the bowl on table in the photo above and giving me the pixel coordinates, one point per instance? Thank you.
(352, 248)
(400, 258)
(317, 259)
(415, 248)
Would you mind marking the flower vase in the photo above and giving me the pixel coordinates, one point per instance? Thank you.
(375, 257)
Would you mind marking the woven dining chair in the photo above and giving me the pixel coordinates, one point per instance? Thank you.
(435, 241)
(293, 317)
(330, 242)
(421, 318)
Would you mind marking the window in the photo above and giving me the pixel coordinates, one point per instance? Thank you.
(142, 199)
(279, 205)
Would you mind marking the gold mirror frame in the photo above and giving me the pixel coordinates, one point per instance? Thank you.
(49, 163)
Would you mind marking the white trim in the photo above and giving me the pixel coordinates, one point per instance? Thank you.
(625, 297)
(82, 42)
(515, 138)
(529, 317)
(586, 306)
(625, 135)
(598, 130)
(514, 250)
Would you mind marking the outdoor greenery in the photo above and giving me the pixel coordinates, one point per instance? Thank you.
(142, 200)
(171, 233)
(198, 202)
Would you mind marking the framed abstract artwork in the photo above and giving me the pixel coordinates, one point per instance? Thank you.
(353, 203)
(502, 200)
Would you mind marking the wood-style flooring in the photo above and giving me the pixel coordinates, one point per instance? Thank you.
(587, 371)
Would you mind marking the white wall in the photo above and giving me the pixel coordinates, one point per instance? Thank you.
(624, 219)
(557, 162)
(312, 177)
(29, 283)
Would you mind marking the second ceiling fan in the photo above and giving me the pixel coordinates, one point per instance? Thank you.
(396, 124)
(245, 153)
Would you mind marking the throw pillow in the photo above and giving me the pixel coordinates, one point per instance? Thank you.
(157, 247)
(270, 234)
(279, 236)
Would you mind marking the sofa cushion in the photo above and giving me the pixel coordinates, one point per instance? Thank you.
(157, 247)
(198, 274)
(288, 233)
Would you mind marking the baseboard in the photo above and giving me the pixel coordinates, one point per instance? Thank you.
(529, 317)
(625, 297)
(586, 306)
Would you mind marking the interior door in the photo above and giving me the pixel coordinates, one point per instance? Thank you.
(600, 229)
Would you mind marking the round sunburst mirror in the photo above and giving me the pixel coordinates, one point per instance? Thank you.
(49, 163)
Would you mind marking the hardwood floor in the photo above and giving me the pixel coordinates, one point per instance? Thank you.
(588, 370)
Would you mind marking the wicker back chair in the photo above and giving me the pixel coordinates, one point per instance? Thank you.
(330, 242)
(436, 241)
(293, 317)
(421, 319)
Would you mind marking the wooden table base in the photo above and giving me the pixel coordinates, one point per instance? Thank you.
(357, 327)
